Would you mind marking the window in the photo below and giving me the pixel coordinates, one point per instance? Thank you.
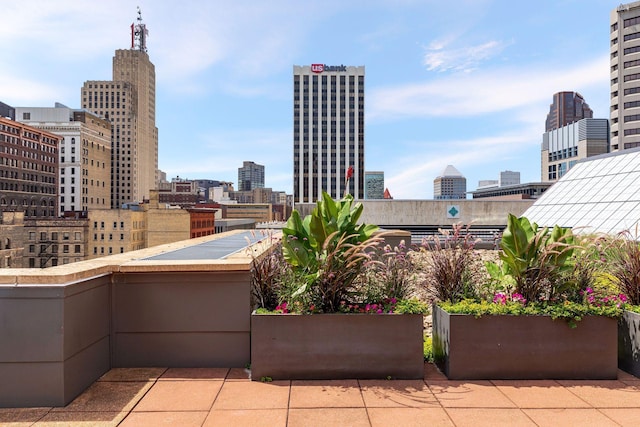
(78, 235)
(26, 116)
(32, 248)
(77, 249)
(626, 23)
(631, 36)
(65, 235)
(54, 236)
(32, 235)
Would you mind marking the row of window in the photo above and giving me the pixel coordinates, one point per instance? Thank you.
(27, 165)
(34, 189)
(50, 148)
(109, 250)
(631, 36)
(629, 77)
(44, 249)
(44, 236)
(95, 236)
(563, 154)
(115, 225)
(629, 22)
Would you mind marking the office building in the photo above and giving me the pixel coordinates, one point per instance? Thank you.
(625, 76)
(129, 103)
(328, 131)
(562, 148)
(526, 191)
(85, 154)
(7, 111)
(55, 241)
(450, 184)
(373, 185)
(567, 108)
(28, 170)
(509, 178)
(250, 176)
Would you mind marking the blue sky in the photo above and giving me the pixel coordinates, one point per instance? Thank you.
(466, 83)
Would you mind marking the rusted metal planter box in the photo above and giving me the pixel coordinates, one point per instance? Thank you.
(337, 346)
(524, 347)
(629, 342)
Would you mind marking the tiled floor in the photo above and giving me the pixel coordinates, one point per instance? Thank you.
(226, 397)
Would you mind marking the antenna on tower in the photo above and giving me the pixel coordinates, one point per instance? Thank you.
(139, 34)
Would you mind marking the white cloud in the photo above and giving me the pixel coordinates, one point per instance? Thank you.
(409, 178)
(490, 91)
(465, 59)
(26, 91)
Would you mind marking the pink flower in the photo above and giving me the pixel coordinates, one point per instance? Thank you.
(500, 298)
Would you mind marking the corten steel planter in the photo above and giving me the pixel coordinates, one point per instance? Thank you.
(337, 346)
(629, 342)
(524, 347)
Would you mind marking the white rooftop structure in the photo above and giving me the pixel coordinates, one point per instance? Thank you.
(600, 194)
(450, 171)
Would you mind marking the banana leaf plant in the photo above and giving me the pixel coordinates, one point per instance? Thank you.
(328, 248)
(334, 220)
(534, 258)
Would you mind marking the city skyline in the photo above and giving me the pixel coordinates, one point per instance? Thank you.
(470, 88)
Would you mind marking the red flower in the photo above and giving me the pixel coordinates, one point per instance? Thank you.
(349, 173)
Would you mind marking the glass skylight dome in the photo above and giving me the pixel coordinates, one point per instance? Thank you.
(600, 194)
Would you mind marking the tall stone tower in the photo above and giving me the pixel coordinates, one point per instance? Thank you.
(129, 103)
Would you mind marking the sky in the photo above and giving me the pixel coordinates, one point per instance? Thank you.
(467, 84)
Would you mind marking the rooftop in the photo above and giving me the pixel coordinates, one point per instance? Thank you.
(226, 397)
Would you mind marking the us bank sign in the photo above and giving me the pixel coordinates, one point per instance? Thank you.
(320, 68)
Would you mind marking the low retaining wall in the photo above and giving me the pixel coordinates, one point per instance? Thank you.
(61, 328)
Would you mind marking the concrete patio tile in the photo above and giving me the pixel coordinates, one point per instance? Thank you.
(431, 372)
(539, 394)
(326, 394)
(247, 417)
(397, 393)
(239, 374)
(605, 394)
(156, 419)
(469, 394)
(624, 416)
(107, 396)
(81, 419)
(194, 374)
(489, 417)
(180, 396)
(133, 374)
(328, 417)
(409, 417)
(253, 395)
(21, 416)
(569, 417)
